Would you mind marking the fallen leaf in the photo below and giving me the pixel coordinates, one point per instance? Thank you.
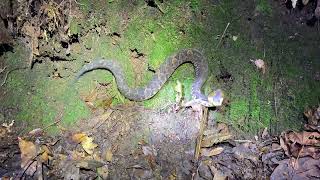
(301, 144)
(106, 103)
(91, 97)
(208, 141)
(301, 168)
(88, 145)
(85, 141)
(211, 152)
(313, 116)
(46, 155)
(28, 154)
(78, 138)
(234, 38)
(109, 155)
(89, 164)
(8, 126)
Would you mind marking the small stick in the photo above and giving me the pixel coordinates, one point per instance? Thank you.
(6, 76)
(1, 70)
(203, 119)
(224, 33)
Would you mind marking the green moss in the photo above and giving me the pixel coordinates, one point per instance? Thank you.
(264, 7)
(238, 113)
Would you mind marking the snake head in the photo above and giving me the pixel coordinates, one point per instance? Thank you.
(216, 98)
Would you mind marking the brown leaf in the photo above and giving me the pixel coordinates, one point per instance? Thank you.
(78, 138)
(106, 103)
(28, 153)
(302, 168)
(301, 144)
(313, 116)
(88, 145)
(211, 152)
(109, 155)
(208, 141)
(86, 142)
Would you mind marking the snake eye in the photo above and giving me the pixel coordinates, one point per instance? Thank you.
(216, 98)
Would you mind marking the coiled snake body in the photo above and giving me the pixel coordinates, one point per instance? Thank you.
(160, 77)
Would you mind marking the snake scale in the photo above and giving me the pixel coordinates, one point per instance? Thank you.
(160, 77)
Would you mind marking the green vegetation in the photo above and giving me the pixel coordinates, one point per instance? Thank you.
(264, 7)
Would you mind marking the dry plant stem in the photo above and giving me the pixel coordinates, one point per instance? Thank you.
(1, 70)
(203, 119)
(224, 33)
(5, 78)
(242, 141)
(296, 160)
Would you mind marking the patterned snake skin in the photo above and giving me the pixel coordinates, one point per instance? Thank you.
(160, 77)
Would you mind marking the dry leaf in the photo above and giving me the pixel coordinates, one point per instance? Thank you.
(208, 141)
(98, 120)
(313, 116)
(302, 168)
(28, 153)
(78, 138)
(109, 155)
(211, 152)
(85, 141)
(45, 154)
(90, 98)
(8, 126)
(301, 144)
(89, 164)
(88, 145)
(106, 103)
(234, 38)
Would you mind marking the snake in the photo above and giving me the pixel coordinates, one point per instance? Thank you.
(160, 77)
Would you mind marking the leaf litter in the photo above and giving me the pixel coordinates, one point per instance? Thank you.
(140, 144)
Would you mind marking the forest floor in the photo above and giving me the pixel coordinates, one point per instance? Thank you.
(267, 127)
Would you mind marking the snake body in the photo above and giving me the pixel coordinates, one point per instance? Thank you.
(160, 77)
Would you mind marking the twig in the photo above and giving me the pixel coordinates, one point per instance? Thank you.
(224, 33)
(203, 119)
(5, 79)
(6, 76)
(1, 70)
(242, 141)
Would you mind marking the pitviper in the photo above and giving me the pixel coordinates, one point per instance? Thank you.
(161, 76)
